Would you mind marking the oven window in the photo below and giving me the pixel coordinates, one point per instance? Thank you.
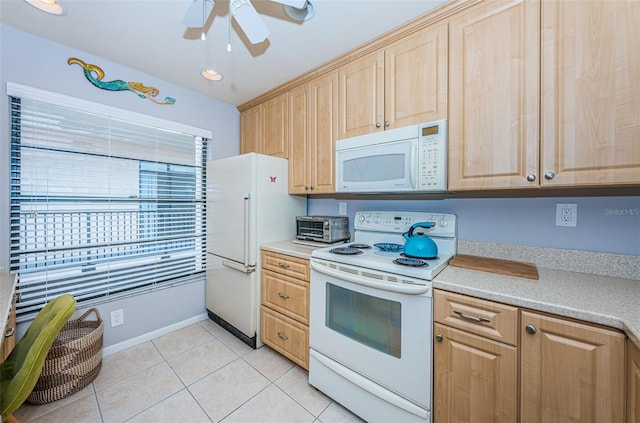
(372, 321)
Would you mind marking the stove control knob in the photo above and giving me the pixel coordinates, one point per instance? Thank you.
(443, 223)
(378, 219)
(361, 218)
(369, 219)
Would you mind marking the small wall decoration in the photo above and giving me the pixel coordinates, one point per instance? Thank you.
(95, 74)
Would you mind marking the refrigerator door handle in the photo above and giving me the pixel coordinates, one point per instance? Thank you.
(237, 266)
(246, 231)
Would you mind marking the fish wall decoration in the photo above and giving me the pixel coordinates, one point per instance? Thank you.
(95, 74)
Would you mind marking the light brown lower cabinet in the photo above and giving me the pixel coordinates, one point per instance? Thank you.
(560, 370)
(284, 314)
(633, 383)
(475, 378)
(9, 340)
(571, 371)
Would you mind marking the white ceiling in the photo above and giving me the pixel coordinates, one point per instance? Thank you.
(146, 35)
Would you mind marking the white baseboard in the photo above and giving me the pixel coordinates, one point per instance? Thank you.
(112, 349)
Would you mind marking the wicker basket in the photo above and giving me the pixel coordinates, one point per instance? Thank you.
(74, 360)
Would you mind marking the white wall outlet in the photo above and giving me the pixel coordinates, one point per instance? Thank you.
(117, 317)
(566, 214)
(342, 208)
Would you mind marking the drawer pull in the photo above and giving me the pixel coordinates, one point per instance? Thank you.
(9, 332)
(283, 296)
(472, 318)
(283, 337)
(283, 265)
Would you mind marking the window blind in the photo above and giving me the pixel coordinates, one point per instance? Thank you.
(101, 206)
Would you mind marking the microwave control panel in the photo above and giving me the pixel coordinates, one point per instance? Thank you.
(432, 156)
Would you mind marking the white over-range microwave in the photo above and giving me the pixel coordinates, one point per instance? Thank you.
(402, 160)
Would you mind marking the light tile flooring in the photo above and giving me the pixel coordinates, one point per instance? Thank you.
(198, 374)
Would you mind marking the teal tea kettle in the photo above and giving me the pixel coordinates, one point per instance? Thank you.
(420, 245)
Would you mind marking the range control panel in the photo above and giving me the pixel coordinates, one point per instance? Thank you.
(444, 224)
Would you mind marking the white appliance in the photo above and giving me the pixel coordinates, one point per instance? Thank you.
(408, 159)
(247, 205)
(371, 318)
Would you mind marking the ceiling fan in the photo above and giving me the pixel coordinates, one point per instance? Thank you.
(246, 15)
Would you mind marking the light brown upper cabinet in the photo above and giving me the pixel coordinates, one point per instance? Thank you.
(263, 128)
(590, 92)
(494, 51)
(313, 113)
(251, 130)
(403, 84)
(585, 130)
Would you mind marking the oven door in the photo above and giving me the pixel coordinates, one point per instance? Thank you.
(380, 334)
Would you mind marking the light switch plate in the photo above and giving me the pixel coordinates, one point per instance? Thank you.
(342, 208)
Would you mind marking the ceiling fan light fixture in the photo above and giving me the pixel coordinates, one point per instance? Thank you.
(50, 6)
(302, 14)
(249, 21)
(211, 75)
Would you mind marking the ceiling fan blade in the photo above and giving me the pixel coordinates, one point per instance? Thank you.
(197, 13)
(298, 4)
(249, 21)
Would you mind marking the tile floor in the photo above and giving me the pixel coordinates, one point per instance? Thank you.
(198, 374)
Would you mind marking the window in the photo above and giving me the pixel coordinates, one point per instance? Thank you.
(102, 206)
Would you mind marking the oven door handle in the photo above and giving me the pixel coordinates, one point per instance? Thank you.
(401, 288)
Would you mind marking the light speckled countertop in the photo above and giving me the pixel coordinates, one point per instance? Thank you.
(7, 289)
(291, 248)
(579, 294)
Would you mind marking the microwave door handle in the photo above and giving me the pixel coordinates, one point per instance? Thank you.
(413, 163)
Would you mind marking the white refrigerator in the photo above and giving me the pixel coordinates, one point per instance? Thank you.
(247, 205)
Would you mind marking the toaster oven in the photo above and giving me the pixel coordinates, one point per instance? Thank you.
(326, 229)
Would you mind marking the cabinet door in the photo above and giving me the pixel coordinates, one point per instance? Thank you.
(361, 96)
(286, 295)
(475, 379)
(571, 372)
(251, 130)
(299, 143)
(324, 116)
(416, 78)
(591, 92)
(275, 130)
(633, 382)
(494, 95)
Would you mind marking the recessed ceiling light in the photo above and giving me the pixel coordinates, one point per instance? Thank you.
(211, 75)
(49, 6)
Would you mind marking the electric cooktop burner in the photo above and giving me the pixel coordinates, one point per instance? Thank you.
(419, 258)
(347, 251)
(360, 246)
(410, 262)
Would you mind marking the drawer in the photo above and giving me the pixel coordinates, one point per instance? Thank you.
(481, 317)
(286, 295)
(287, 265)
(286, 336)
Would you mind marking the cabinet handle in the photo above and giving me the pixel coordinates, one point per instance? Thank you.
(378, 125)
(387, 123)
(439, 337)
(531, 177)
(283, 337)
(549, 175)
(531, 330)
(283, 296)
(283, 265)
(9, 332)
(472, 318)
(306, 188)
(311, 187)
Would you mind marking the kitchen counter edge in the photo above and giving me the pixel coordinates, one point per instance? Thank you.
(290, 248)
(603, 300)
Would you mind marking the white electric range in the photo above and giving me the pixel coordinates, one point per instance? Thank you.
(371, 316)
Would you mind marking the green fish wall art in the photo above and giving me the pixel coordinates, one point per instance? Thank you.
(95, 74)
